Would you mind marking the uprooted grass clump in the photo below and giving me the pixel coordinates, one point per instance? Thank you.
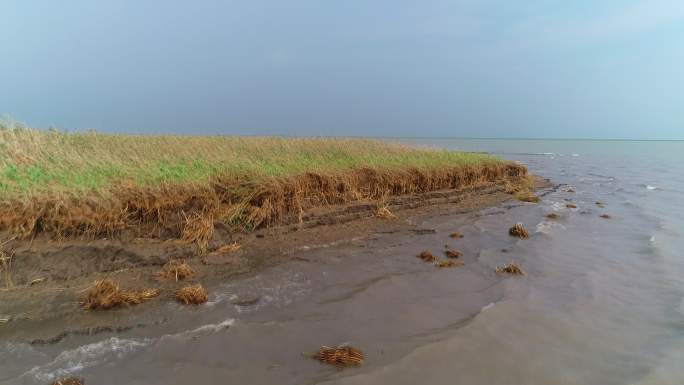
(427, 256)
(605, 216)
(451, 253)
(571, 206)
(510, 268)
(341, 356)
(518, 230)
(192, 295)
(384, 213)
(552, 216)
(456, 235)
(227, 249)
(93, 184)
(106, 294)
(176, 269)
(69, 381)
(527, 197)
(449, 263)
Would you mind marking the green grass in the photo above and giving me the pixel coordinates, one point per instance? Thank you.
(35, 162)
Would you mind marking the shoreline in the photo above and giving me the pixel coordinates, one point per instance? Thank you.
(47, 308)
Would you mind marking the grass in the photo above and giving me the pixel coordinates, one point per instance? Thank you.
(341, 356)
(106, 294)
(88, 184)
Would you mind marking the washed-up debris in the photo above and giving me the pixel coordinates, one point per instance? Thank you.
(599, 204)
(527, 197)
(176, 269)
(449, 263)
(69, 381)
(192, 295)
(37, 281)
(519, 231)
(423, 231)
(106, 294)
(510, 268)
(552, 216)
(456, 235)
(571, 206)
(228, 248)
(384, 213)
(451, 253)
(605, 216)
(341, 356)
(427, 256)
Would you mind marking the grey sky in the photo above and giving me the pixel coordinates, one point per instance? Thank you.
(477, 68)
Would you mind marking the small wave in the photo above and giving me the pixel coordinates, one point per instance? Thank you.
(575, 155)
(73, 361)
(202, 330)
(487, 307)
(547, 227)
(649, 187)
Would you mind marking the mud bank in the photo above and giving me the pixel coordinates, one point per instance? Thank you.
(51, 277)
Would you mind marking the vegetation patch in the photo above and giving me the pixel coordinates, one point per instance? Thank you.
(176, 269)
(341, 356)
(449, 263)
(91, 184)
(456, 235)
(451, 253)
(571, 206)
(427, 256)
(605, 216)
(105, 294)
(510, 268)
(226, 249)
(384, 213)
(552, 216)
(518, 230)
(69, 381)
(527, 197)
(192, 295)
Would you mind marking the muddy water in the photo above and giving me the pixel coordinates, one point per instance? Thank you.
(602, 301)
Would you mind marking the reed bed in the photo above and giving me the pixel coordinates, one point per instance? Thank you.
(92, 184)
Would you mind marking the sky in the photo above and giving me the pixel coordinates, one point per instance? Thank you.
(469, 68)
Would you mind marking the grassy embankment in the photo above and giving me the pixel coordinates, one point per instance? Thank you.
(92, 184)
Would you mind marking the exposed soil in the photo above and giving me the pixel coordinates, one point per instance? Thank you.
(63, 271)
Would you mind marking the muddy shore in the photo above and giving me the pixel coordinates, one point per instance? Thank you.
(50, 277)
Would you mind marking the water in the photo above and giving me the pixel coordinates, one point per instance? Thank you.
(602, 301)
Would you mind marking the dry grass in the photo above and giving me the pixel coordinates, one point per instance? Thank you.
(192, 295)
(6, 262)
(450, 253)
(69, 381)
(552, 216)
(571, 206)
(605, 216)
(341, 356)
(456, 235)
(449, 263)
(176, 269)
(518, 230)
(92, 184)
(510, 268)
(385, 213)
(226, 249)
(106, 294)
(427, 256)
(527, 197)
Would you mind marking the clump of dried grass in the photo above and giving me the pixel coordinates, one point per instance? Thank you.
(449, 263)
(571, 206)
(385, 213)
(510, 268)
(518, 230)
(451, 253)
(106, 294)
(605, 216)
(69, 381)
(6, 263)
(341, 356)
(198, 229)
(176, 269)
(226, 249)
(527, 197)
(192, 295)
(427, 256)
(552, 216)
(456, 235)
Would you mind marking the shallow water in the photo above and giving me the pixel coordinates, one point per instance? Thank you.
(602, 301)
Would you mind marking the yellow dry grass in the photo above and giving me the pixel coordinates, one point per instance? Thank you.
(341, 356)
(385, 213)
(192, 295)
(106, 294)
(449, 263)
(518, 230)
(552, 216)
(226, 249)
(427, 256)
(451, 253)
(456, 235)
(510, 268)
(176, 269)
